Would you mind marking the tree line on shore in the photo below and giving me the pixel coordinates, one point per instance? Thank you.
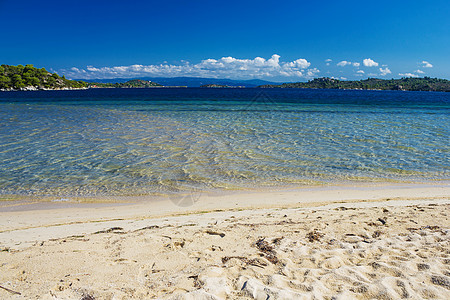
(403, 84)
(28, 77)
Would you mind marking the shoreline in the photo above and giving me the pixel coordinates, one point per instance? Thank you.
(230, 87)
(29, 218)
(44, 202)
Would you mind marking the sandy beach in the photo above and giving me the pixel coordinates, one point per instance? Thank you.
(346, 242)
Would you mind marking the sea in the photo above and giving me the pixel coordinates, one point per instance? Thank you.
(153, 141)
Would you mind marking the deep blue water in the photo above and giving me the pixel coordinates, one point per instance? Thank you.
(144, 141)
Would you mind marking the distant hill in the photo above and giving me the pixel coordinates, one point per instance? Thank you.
(403, 84)
(215, 86)
(134, 83)
(30, 78)
(191, 81)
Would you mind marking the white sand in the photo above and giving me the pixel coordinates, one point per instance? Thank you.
(338, 242)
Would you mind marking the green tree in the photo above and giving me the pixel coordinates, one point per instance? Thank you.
(29, 68)
(34, 81)
(19, 69)
(42, 72)
(5, 82)
(51, 82)
(17, 81)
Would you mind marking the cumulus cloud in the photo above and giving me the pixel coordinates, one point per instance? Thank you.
(370, 63)
(385, 71)
(312, 72)
(347, 63)
(426, 64)
(299, 63)
(408, 75)
(225, 67)
(419, 71)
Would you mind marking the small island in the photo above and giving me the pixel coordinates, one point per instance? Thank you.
(403, 84)
(211, 85)
(134, 83)
(214, 86)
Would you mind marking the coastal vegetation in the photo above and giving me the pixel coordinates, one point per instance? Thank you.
(30, 78)
(403, 84)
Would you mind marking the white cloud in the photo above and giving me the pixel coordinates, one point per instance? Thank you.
(347, 63)
(426, 64)
(419, 71)
(360, 71)
(299, 63)
(328, 60)
(369, 63)
(385, 71)
(273, 61)
(92, 69)
(312, 72)
(344, 63)
(408, 74)
(225, 67)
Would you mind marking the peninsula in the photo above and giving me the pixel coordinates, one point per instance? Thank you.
(403, 84)
(29, 78)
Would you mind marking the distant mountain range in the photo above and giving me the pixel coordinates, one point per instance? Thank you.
(189, 81)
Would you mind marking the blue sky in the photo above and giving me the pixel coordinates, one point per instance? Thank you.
(273, 40)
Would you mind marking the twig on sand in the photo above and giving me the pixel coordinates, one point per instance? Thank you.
(11, 291)
(211, 232)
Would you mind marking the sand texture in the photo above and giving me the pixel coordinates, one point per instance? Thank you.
(380, 250)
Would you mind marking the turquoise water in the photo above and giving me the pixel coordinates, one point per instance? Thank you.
(145, 141)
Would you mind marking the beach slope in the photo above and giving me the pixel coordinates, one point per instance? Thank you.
(376, 249)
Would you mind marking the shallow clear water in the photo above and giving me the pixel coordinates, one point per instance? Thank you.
(143, 141)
